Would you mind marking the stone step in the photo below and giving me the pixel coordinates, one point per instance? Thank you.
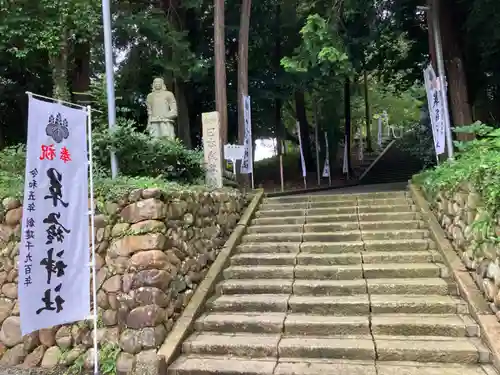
(425, 256)
(265, 286)
(291, 324)
(284, 206)
(331, 210)
(270, 247)
(266, 259)
(416, 304)
(331, 227)
(271, 237)
(269, 345)
(250, 303)
(338, 272)
(399, 245)
(388, 216)
(286, 228)
(396, 234)
(217, 365)
(329, 287)
(312, 219)
(279, 220)
(386, 208)
(308, 259)
(330, 305)
(415, 286)
(350, 235)
(332, 247)
(424, 325)
(259, 272)
(287, 199)
(279, 213)
(412, 368)
(360, 196)
(242, 345)
(431, 349)
(391, 225)
(314, 325)
(401, 270)
(325, 259)
(241, 323)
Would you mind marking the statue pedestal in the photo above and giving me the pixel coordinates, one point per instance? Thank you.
(212, 149)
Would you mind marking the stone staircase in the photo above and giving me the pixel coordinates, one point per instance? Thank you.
(336, 285)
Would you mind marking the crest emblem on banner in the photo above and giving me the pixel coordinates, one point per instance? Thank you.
(57, 128)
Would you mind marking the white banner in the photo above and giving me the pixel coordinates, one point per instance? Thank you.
(247, 162)
(302, 161)
(326, 168)
(54, 272)
(379, 133)
(436, 109)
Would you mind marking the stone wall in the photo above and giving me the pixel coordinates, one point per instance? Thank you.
(481, 256)
(153, 249)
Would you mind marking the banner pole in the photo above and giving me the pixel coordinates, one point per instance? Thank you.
(92, 224)
(281, 166)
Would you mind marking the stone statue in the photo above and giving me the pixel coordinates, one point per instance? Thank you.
(162, 111)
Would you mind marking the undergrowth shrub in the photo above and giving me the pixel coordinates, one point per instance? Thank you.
(477, 162)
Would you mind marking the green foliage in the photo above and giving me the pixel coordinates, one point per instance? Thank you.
(12, 161)
(478, 163)
(108, 355)
(140, 155)
(45, 24)
(320, 48)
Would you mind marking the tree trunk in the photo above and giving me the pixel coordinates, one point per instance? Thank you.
(300, 108)
(59, 64)
(368, 117)
(246, 8)
(220, 67)
(183, 124)
(347, 115)
(80, 85)
(454, 62)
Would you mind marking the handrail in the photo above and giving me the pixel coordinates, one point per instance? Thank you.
(377, 159)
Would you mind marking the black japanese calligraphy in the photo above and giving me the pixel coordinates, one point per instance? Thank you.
(31, 196)
(56, 230)
(55, 188)
(34, 173)
(29, 234)
(33, 184)
(52, 266)
(31, 207)
(30, 222)
(49, 304)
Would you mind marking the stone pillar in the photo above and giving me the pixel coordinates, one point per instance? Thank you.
(212, 148)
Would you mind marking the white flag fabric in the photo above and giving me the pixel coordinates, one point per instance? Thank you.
(436, 109)
(302, 161)
(247, 162)
(379, 133)
(326, 168)
(54, 272)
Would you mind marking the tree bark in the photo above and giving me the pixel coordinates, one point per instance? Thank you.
(347, 116)
(183, 124)
(246, 8)
(220, 67)
(59, 64)
(80, 84)
(454, 62)
(300, 108)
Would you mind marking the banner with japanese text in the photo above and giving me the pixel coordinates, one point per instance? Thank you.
(326, 168)
(302, 160)
(54, 272)
(247, 162)
(436, 109)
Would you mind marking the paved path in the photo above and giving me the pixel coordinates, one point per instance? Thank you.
(336, 285)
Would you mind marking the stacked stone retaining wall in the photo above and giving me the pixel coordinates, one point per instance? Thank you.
(153, 249)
